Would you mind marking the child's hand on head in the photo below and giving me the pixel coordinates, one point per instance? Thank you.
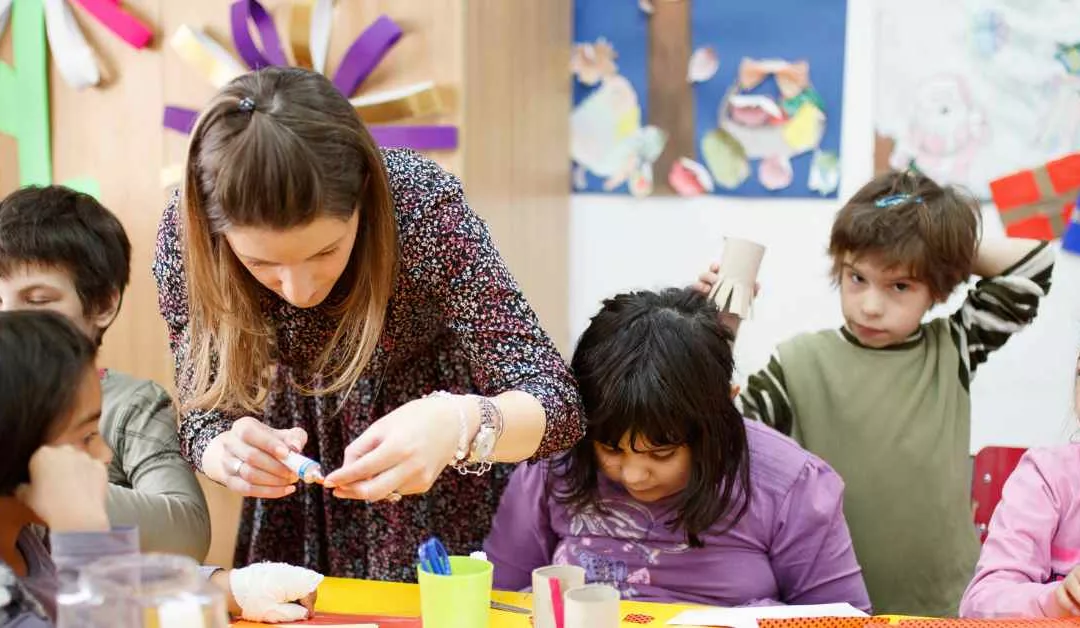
(270, 592)
(705, 284)
(67, 490)
(1067, 595)
(708, 279)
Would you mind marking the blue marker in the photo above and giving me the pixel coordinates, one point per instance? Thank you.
(433, 557)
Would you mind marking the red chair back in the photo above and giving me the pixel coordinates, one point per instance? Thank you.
(992, 467)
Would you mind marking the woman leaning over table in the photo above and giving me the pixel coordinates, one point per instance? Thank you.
(317, 291)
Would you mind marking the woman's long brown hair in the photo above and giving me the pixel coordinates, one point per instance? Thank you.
(300, 154)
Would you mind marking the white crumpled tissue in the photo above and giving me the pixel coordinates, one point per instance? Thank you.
(267, 592)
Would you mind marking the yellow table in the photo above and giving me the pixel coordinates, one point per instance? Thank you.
(339, 595)
(395, 599)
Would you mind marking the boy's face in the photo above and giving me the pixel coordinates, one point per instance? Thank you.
(882, 306)
(35, 287)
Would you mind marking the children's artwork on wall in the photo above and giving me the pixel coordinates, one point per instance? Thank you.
(765, 89)
(768, 122)
(1038, 203)
(611, 147)
(310, 28)
(986, 88)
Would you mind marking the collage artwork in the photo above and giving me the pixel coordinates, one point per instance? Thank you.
(999, 116)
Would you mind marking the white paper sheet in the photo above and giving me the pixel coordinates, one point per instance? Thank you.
(747, 617)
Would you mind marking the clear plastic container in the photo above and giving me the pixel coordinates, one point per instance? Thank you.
(141, 591)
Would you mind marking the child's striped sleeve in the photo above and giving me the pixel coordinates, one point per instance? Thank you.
(765, 398)
(1000, 306)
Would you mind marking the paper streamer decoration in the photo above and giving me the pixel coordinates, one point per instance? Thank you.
(365, 53)
(208, 57)
(309, 39)
(310, 23)
(72, 54)
(24, 95)
(243, 12)
(24, 92)
(74, 57)
(122, 24)
(1038, 203)
(414, 101)
(739, 264)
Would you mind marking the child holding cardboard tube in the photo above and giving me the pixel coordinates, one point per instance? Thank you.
(885, 399)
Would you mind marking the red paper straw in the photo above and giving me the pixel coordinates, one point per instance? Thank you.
(557, 602)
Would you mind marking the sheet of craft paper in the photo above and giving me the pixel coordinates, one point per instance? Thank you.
(790, 30)
(983, 89)
(606, 124)
(344, 621)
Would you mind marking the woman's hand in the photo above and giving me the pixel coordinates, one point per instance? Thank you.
(248, 459)
(405, 451)
(67, 490)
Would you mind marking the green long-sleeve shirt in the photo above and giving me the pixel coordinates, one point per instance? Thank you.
(150, 485)
(895, 423)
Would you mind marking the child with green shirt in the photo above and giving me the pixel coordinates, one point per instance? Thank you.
(885, 399)
(62, 251)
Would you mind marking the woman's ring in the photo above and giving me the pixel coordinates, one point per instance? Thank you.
(237, 467)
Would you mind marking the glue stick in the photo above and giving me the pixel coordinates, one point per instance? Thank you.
(307, 469)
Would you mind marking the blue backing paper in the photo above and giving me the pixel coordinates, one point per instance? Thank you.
(793, 30)
(627, 28)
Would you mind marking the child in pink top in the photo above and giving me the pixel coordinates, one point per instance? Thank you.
(1030, 563)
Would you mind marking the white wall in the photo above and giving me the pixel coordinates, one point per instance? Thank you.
(1022, 396)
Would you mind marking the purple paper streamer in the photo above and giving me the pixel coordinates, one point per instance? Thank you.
(365, 53)
(420, 137)
(180, 119)
(244, 11)
(433, 137)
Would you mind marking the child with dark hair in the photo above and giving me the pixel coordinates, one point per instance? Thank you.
(673, 496)
(885, 399)
(60, 250)
(53, 474)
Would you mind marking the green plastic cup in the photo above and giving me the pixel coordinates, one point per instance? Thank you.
(460, 600)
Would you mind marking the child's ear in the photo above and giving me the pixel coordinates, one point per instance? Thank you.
(104, 318)
(735, 390)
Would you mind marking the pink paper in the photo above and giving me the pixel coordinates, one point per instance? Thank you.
(125, 26)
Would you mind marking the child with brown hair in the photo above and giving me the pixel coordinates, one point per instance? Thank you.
(885, 400)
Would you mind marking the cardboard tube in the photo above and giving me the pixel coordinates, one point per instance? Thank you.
(592, 606)
(569, 577)
(739, 264)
